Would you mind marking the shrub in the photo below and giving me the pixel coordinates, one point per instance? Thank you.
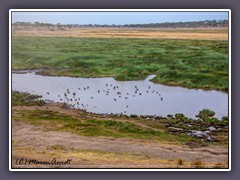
(225, 118)
(205, 113)
(180, 162)
(180, 116)
(26, 99)
(169, 116)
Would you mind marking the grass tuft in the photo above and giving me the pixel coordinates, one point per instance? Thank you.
(188, 63)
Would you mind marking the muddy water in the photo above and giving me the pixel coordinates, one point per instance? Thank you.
(106, 95)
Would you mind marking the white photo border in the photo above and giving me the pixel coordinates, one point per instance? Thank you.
(117, 10)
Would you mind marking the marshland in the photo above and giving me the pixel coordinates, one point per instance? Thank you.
(111, 98)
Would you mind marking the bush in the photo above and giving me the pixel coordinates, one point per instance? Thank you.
(134, 116)
(205, 113)
(180, 162)
(225, 118)
(26, 99)
(180, 116)
(169, 116)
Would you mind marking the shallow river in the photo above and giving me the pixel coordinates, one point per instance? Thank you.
(106, 95)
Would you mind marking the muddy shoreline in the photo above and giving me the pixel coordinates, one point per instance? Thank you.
(42, 143)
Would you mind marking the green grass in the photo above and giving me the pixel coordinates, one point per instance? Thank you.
(205, 113)
(119, 127)
(188, 63)
(201, 124)
(26, 99)
(88, 126)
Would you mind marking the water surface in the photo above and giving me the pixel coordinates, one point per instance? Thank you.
(106, 95)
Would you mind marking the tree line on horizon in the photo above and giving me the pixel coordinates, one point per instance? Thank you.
(59, 26)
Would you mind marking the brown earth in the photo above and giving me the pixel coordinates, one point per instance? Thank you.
(34, 142)
(203, 34)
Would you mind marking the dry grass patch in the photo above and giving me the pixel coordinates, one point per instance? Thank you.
(130, 33)
(88, 158)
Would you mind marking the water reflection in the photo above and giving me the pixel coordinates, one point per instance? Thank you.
(106, 95)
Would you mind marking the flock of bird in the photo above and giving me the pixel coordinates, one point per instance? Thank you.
(73, 98)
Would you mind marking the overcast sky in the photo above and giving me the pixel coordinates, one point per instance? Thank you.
(117, 18)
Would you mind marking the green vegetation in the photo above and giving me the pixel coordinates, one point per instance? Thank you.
(203, 124)
(205, 113)
(188, 63)
(90, 126)
(194, 24)
(183, 125)
(172, 128)
(26, 99)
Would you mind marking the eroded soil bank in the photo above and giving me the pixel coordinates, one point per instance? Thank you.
(34, 141)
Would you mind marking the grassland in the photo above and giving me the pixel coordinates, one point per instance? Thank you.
(152, 33)
(192, 59)
(177, 62)
(47, 131)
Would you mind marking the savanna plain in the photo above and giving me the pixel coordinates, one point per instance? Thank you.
(189, 58)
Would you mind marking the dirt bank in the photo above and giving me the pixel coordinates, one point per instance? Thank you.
(30, 141)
